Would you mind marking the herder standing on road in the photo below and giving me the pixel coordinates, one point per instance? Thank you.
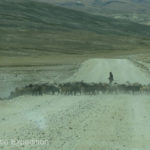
(111, 78)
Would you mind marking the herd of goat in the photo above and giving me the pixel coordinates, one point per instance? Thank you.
(78, 88)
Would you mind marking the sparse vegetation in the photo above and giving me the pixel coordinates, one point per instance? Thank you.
(30, 28)
(134, 10)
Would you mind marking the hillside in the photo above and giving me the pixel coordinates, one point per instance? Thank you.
(34, 28)
(135, 10)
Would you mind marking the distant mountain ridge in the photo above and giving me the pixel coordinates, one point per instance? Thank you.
(134, 10)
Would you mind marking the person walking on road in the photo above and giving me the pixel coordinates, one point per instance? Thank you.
(111, 78)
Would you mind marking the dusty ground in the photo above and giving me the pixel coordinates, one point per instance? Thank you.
(102, 122)
(117, 122)
(21, 71)
(12, 77)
